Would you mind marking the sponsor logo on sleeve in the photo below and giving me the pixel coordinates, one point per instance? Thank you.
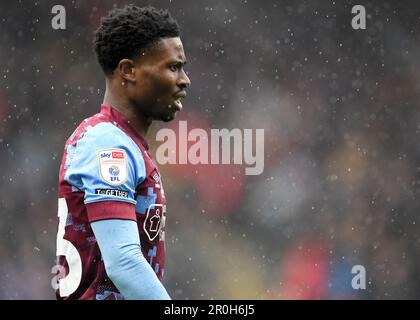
(112, 192)
(152, 223)
(113, 166)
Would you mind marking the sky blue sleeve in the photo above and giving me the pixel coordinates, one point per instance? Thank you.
(124, 262)
(105, 164)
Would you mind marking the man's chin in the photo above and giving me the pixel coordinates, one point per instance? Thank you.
(169, 117)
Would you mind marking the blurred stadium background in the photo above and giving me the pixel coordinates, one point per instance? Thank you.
(340, 109)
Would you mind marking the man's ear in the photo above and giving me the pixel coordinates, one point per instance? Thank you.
(126, 70)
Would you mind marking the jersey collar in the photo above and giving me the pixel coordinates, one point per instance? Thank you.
(119, 120)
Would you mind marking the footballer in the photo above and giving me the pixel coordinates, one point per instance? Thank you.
(112, 210)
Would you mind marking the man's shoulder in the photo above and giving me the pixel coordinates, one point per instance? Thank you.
(85, 125)
(99, 134)
(98, 128)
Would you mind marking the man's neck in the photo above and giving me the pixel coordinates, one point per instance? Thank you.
(121, 104)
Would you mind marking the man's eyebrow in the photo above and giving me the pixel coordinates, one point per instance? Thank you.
(179, 61)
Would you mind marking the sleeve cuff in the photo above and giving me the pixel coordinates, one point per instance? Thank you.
(110, 210)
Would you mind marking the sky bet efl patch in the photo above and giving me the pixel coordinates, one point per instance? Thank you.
(113, 166)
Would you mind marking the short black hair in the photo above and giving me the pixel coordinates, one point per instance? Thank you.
(125, 32)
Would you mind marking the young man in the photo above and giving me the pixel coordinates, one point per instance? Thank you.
(111, 238)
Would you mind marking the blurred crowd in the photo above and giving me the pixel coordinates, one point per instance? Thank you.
(340, 110)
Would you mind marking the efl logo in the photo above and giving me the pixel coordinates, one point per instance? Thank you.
(113, 166)
(117, 155)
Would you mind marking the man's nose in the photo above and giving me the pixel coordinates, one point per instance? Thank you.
(184, 81)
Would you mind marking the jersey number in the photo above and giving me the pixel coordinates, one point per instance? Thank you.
(70, 283)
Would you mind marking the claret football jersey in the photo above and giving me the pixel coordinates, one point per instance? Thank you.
(106, 172)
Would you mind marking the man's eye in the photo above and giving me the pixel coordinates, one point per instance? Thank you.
(173, 68)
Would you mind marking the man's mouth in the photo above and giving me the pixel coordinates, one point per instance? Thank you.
(178, 104)
(178, 98)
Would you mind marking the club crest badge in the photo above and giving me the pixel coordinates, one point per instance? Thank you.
(113, 166)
